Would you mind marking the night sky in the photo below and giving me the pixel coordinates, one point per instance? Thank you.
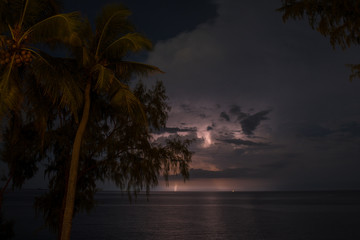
(270, 104)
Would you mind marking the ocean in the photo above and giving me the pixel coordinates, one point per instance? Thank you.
(321, 215)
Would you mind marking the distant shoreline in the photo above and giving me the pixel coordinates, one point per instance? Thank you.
(198, 191)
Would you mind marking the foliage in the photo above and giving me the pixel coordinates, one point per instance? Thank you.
(21, 150)
(104, 74)
(79, 114)
(117, 150)
(24, 98)
(337, 19)
(24, 25)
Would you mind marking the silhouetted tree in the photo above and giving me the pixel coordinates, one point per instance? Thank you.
(21, 152)
(27, 80)
(117, 150)
(337, 19)
(79, 113)
(24, 25)
(103, 73)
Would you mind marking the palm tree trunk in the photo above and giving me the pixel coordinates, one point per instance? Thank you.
(74, 166)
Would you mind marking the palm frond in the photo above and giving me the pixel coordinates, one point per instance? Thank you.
(2, 41)
(125, 100)
(80, 46)
(125, 69)
(26, 3)
(36, 11)
(111, 23)
(131, 42)
(57, 79)
(38, 107)
(10, 94)
(25, 13)
(11, 30)
(11, 97)
(105, 77)
(112, 15)
(60, 27)
(355, 71)
(85, 57)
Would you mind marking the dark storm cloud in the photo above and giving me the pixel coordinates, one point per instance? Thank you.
(148, 16)
(250, 123)
(188, 108)
(225, 116)
(248, 56)
(242, 142)
(202, 115)
(176, 130)
(212, 127)
(236, 110)
(260, 171)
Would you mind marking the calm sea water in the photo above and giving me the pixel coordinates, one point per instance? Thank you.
(203, 215)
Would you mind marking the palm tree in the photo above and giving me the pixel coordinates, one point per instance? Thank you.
(26, 24)
(26, 73)
(103, 71)
(115, 149)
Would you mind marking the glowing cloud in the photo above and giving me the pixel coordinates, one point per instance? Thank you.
(206, 136)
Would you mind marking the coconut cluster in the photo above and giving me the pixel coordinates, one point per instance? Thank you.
(21, 56)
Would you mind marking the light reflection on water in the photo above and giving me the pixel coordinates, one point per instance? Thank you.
(217, 215)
